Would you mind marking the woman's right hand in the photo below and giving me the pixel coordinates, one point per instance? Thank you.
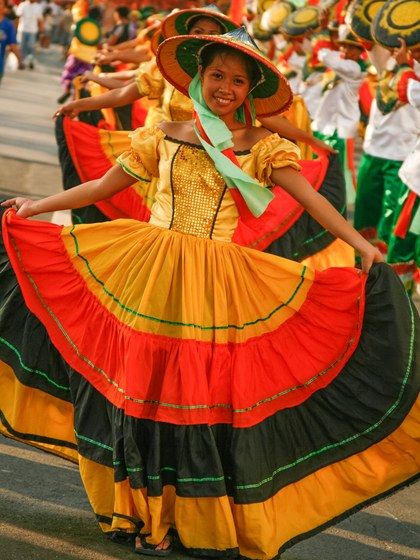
(69, 109)
(24, 206)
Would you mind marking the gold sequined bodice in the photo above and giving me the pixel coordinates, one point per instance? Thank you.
(190, 196)
(197, 192)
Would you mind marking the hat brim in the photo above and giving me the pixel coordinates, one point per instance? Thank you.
(177, 59)
(177, 23)
(360, 15)
(300, 21)
(351, 43)
(395, 20)
(156, 40)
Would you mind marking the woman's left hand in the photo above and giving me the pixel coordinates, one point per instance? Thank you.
(24, 206)
(321, 146)
(369, 256)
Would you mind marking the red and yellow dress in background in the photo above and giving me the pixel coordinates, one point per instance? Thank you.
(203, 385)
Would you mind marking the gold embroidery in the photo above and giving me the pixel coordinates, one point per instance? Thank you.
(197, 189)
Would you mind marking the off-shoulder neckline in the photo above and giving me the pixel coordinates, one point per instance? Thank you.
(200, 147)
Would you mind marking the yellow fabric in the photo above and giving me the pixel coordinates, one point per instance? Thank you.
(298, 115)
(338, 253)
(149, 80)
(260, 529)
(85, 53)
(183, 270)
(31, 411)
(113, 143)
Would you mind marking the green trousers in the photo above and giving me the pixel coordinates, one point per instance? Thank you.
(404, 253)
(378, 190)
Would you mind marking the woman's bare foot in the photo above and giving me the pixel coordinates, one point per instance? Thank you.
(164, 548)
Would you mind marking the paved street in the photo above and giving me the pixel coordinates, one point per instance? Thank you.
(44, 513)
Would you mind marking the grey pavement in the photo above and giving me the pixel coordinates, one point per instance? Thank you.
(44, 512)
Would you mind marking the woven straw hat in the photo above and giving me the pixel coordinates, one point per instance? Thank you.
(397, 19)
(178, 23)
(301, 20)
(178, 59)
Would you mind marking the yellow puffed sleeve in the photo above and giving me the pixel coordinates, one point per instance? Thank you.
(149, 80)
(273, 152)
(142, 160)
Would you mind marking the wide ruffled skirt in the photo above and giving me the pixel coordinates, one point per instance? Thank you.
(241, 398)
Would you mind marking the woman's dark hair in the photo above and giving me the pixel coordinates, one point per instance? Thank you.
(192, 21)
(122, 11)
(95, 13)
(209, 52)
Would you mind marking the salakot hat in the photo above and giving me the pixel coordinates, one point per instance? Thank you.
(397, 19)
(360, 16)
(272, 18)
(263, 5)
(178, 23)
(178, 59)
(300, 21)
(88, 31)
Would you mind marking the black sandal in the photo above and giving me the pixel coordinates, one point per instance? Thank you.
(151, 550)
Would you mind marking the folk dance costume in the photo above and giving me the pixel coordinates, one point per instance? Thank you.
(392, 132)
(337, 118)
(296, 27)
(390, 136)
(394, 21)
(404, 244)
(213, 388)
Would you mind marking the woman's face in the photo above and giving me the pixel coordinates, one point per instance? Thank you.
(205, 26)
(225, 84)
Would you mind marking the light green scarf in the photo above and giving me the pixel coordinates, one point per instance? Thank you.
(256, 197)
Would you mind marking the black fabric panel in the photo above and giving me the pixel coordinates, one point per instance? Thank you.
(124, 114)
(307, 237)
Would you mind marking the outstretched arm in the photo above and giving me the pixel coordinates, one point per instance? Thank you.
(114, 98)
(324, 213)
(113, 181)
(121, 79)
(286, 129)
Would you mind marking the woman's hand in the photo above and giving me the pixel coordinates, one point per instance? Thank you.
(321, 146)
(24, 206)
(88, 76)
(400, 53)
(369, 256)
(70, 109)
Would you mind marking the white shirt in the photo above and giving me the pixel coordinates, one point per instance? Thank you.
(339, 108)
(410, 170)
(392, 136)
(29, 14)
